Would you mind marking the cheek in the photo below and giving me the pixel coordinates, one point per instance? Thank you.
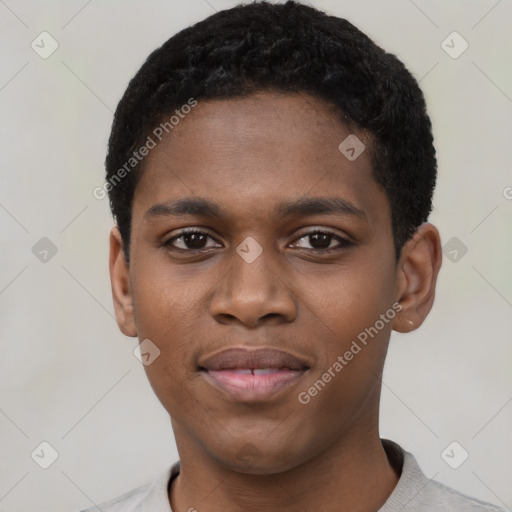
(166, 300)
(350, 316)
(166, 313)
(344, 303)
(352, 340)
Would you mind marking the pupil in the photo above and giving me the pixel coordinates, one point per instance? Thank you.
(317, 240)
(194, 240)
(320, 240)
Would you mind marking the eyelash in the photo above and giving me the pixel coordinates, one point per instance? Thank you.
(343, 242)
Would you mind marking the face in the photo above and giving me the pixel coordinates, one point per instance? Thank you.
(259, 255)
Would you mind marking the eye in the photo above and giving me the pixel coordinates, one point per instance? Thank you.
(321, 240)
(189, 241)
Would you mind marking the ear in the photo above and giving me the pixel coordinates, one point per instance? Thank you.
(418, 269)
(120, 281)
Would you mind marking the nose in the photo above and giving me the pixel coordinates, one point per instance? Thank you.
(252, 294)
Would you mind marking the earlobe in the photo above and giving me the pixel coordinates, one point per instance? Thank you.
(120, 282)
(418, 269)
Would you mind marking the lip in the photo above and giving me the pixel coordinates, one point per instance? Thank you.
(252, 375)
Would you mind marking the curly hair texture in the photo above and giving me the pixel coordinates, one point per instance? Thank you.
(289, 48)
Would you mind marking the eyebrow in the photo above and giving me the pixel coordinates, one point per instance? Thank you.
(319, 205)
(205, 208)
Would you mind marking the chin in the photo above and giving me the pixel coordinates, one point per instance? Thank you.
(264, 460)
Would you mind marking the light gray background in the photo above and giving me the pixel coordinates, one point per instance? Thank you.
(69, 377)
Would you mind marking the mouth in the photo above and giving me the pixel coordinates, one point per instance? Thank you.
(252, 375)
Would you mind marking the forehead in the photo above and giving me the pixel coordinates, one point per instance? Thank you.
(251, 152)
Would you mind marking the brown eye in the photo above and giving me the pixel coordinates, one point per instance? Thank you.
(321, 240)
(190, 241)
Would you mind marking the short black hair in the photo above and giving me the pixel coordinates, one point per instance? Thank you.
(288, 48)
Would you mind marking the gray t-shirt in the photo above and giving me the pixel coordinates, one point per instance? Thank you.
(413, 493)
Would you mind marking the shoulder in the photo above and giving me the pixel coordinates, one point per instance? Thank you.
(446, 499)
(417, 493)
(152, 497)
(127, 502)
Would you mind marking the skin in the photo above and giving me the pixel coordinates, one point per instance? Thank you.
(248, 156)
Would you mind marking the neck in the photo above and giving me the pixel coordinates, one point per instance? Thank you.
(354, 474)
